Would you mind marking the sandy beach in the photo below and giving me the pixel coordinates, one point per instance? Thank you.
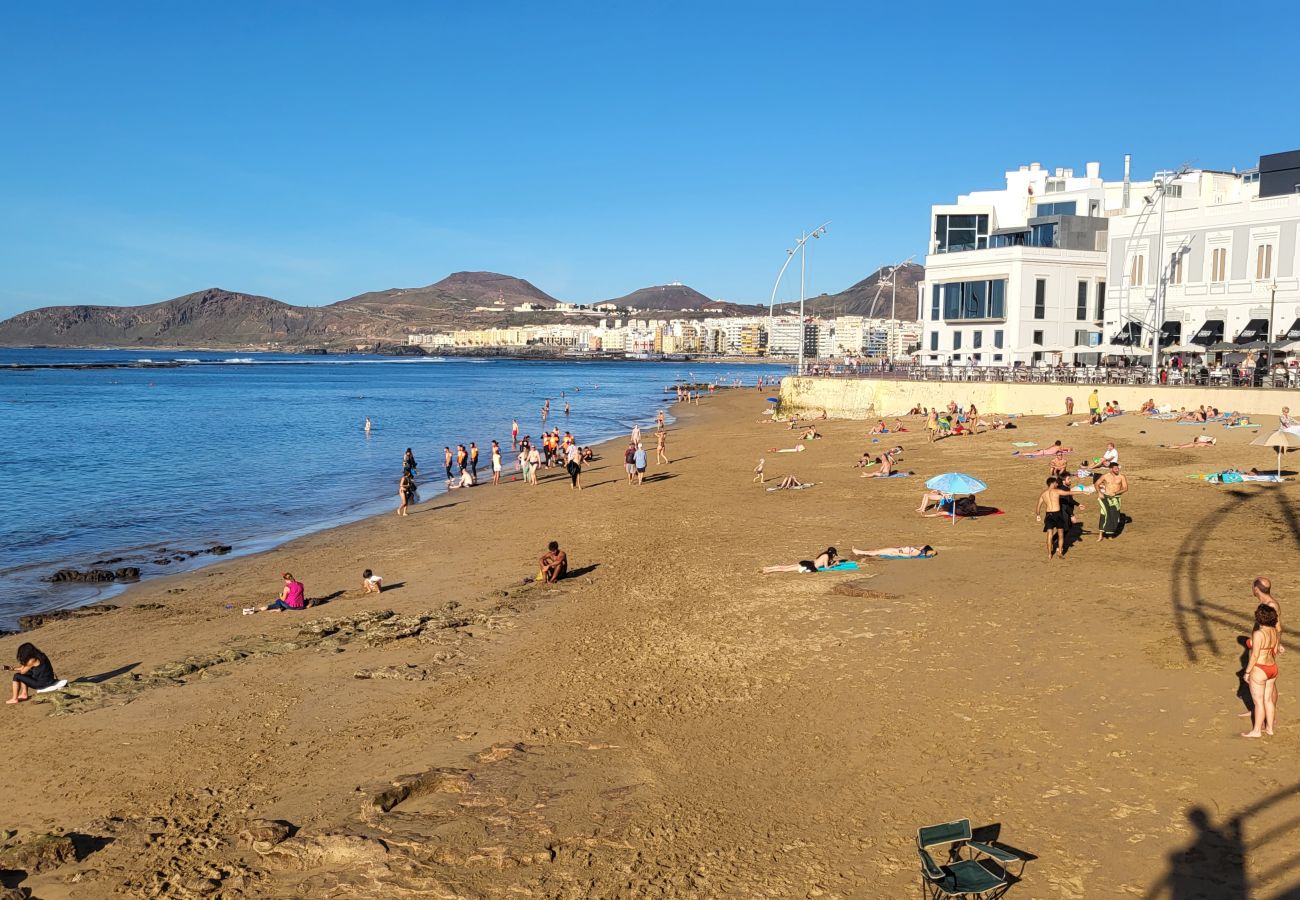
(669, 722)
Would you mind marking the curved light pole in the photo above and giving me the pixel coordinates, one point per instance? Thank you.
(799, 247)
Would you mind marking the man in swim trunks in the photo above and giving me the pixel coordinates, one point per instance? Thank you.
(1110, 487)
(554, 564)
(1094, 403)
(446, 458)
(1055, 520)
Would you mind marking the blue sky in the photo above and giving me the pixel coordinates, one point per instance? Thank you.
(312, 151)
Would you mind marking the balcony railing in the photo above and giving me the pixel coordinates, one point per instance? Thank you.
(1119, 375)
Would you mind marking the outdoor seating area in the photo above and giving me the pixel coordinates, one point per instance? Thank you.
(1282, 377)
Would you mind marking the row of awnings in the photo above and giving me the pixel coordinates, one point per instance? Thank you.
(1211, 332)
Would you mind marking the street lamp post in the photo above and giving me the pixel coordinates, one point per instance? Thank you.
(1161, 281)
(800, 247)
(1268, 335)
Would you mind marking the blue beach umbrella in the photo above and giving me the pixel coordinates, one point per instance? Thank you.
(953, 483)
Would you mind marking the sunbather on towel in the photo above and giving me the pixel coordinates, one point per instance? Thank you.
(790, 483)
(824, 560)
(911, 552)
(1202, 440)
(796, 449)
(887, 460)
(1047, 451)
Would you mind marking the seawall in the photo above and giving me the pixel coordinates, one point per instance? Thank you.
(864, 398)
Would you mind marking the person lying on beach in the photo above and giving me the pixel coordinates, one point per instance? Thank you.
(790, 483)
(292, 596)
(371, 583)
(1196, 415)
(999, 424)
(879, 429)
(810, 435)
(798, 448)
(1202, 440)
(866, 460)
(33, 672)
(886, 461)
(824, 560)
(1046, 451)
(910, 552)
(965, 506)
(554, 564)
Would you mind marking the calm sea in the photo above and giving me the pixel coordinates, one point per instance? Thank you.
(252, 449)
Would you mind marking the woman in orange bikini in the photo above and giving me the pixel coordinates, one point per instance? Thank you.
(1262, 670)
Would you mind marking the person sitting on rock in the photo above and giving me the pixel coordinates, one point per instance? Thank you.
(33, 672)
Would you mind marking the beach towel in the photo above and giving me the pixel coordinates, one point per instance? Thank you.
(798, 449)
(797, 487)
(1024, 443)
(1241, 425)
(57, 686)
(842, 566)
(1206, 422)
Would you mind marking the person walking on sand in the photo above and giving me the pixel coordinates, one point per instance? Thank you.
(636, 434)
(1069, 406)
(1055, 521)
(659, 420)
(629, 463)
(573, 464)
(661, 448)
(932, 424)
(1261, 670)
(640, 460)
(534, 463)
(758, 472)
(1094, 403)
(496, 462)
(473, 461)
(1110, 487)
(405, 491)
(1262, 590)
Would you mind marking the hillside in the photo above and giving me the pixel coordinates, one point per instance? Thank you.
(666, 297)
(858, 299)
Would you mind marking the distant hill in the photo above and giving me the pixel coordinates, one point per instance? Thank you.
(219, 318)
(858, 299)
(675, 297)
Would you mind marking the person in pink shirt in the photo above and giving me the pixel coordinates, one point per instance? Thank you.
(292, 597)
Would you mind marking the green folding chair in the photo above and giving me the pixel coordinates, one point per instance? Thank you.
(962, 877)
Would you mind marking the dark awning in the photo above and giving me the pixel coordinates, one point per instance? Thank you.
(1170, 333)
(1255, 330)
(1130, 334)
(1211, 332)
(1293, 333)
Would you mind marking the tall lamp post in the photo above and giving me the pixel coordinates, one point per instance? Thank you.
(800, 247)
(1268, 335)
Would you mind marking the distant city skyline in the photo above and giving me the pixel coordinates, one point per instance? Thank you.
(314, 153)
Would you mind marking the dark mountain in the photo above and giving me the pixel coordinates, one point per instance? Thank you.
(214, 315)
(673, 297)
(861, 299)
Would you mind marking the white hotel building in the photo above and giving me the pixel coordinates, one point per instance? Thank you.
(1011, 274)
(1054, 262)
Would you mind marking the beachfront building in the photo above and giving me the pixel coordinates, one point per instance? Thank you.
(785, 333)
(1015, 274)
(1229, 265)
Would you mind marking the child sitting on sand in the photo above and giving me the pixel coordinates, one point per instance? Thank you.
(371, 583)
(33, 672)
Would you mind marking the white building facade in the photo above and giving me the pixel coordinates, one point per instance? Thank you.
(1229, 265)
(1016, 274)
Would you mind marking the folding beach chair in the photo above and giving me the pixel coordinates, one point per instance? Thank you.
(962, 877)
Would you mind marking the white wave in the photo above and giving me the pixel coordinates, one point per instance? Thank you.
(239, 359)
(181, 359)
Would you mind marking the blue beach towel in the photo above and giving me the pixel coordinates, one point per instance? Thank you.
(842, 566)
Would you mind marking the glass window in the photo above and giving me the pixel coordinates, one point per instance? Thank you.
(1043, 234)
(1060, 208)
(956, 340)
(1038, 339)
(997, 299)
(934, 340)
(1081, 312)
(997, 339)
(934, 304)
(953, 233)
(977, 340)
(952, 300)
(1040, 298)
(1263, 262)
(997, 357)
(1101, 301)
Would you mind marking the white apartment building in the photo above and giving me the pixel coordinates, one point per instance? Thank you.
(1015, 273)
(1229, 264)
(784, 334)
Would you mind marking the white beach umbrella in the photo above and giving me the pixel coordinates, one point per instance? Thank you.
(1282, 441)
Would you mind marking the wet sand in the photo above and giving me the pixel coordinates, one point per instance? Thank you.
(671, 723)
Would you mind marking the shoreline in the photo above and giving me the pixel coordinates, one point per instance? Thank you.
(93, 593)
(668, 721)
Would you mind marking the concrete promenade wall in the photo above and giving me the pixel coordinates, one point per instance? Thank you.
(864, 398)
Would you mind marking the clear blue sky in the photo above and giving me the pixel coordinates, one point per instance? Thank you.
(310, 151)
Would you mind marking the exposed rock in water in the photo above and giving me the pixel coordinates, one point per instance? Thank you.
(36, 620)
(125, 573)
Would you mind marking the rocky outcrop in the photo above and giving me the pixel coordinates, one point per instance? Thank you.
(126, 573)
(36, 620)
(36, 854)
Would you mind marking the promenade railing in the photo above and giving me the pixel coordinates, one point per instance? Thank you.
(1083, 375)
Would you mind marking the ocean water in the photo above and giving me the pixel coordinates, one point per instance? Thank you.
(252, 449)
